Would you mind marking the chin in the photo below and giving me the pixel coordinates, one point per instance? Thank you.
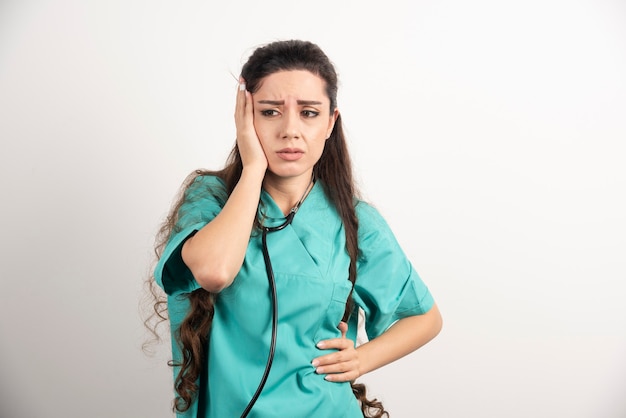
(288, 172)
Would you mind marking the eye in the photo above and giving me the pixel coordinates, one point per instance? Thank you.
(310, 113)
(269, 112)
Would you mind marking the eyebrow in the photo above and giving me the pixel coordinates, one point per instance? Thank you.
(282, 102)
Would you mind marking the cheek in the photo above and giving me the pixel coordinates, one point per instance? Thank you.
(319, 147)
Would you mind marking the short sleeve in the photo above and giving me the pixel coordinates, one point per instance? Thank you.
(387, 287)
(202, 201)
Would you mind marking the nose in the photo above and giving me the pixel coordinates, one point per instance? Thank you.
(290, 128)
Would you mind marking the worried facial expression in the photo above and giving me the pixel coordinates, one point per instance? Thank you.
(292, 119)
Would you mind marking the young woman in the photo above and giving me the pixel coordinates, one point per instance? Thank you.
(267, 261)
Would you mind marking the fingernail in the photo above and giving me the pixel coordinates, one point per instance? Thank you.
(242, 86)
(314, 363)
(321, 344)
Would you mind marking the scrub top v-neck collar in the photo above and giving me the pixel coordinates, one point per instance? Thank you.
(272, 215)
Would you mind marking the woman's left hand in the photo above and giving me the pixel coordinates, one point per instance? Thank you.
(342, 365)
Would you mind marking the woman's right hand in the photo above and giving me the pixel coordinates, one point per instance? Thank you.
(216, 252)
(250, 148)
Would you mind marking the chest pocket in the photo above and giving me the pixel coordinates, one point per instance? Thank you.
(333, 313)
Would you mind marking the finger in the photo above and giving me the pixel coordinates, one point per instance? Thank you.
(336, 357)
(341, 368)
(339, 343)
(325, 360)
(241, 98)
(342, 377)
(249, 107)
(343, 327)
(340, 371)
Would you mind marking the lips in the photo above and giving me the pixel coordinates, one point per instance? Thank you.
(290, 154)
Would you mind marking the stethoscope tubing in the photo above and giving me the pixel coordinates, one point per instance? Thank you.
(274, 296)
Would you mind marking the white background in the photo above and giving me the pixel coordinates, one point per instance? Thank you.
(490, 134)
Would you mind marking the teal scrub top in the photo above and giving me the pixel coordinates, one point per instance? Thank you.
(310, 265)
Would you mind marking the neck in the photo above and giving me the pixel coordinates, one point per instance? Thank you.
(288, 192)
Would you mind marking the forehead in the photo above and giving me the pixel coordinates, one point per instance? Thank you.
(299, 84)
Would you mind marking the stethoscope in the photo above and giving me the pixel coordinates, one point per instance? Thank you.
(274, 296)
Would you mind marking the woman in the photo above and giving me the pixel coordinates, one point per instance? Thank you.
(282, 218)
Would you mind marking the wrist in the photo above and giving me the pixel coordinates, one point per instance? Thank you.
(253, 173)
(362, 354)
(254, 170)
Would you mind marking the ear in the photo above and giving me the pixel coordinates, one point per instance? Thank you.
(331, 122)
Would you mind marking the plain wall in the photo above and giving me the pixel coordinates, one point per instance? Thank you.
(490, 134)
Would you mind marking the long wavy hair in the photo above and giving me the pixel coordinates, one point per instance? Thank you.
(334, 170)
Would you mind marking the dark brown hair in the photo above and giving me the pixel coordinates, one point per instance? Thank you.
(334, 170)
